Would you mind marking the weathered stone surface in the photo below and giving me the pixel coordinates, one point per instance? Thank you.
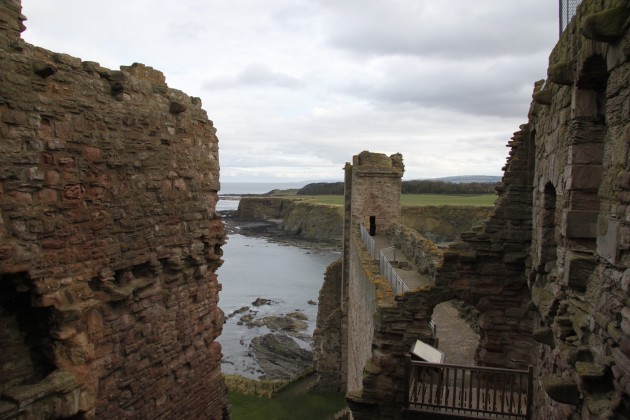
(561, 389)
(284, 323)
(280, 357)
(327, 334)
(589, 371)
(544, 335)
(261, 301)
(423, 252)
(580, 267)
(607, 25)
(561, 73)
(579, 224)
(543, 97)
(108, 297)
(376, 185)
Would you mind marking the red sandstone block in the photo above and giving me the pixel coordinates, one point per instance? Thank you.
(73, 192)
(51, 177)
(14, 117)
(55, 144)
(47, 195)
(92, 154)
(21, 197)
(62, 130)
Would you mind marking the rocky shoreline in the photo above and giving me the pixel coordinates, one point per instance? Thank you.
(283, 349)
(277, 353)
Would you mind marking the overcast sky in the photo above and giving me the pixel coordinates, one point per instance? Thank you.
(297, 87)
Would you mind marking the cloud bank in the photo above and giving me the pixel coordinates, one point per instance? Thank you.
(296, 87)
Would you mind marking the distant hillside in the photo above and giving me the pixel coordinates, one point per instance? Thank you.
(322, 188)
(491, 179)
(449, 185)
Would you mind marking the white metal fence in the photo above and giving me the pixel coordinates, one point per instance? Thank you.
(387, 270)
(368, 241)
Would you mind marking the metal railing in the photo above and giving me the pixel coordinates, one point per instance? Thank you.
(368, 240)
(567, 11)
(470, 391)
(387, 270)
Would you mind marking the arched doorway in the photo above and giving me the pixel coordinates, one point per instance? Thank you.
(456, 332)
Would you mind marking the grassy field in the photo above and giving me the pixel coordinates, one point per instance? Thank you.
(448, 200)
(420, 199)
(286, 406)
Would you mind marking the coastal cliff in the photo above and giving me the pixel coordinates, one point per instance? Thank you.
(309, 220)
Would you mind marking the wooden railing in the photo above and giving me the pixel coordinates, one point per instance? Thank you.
(470, 391)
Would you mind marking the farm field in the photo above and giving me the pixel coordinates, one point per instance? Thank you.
(419, 199)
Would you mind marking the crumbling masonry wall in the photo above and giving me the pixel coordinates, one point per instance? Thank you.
(109, 241)
(580, 254)
(486, 270)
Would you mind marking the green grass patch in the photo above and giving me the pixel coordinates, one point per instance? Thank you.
(479, 200)
(419, 199)
(286, 406)
(335, 200)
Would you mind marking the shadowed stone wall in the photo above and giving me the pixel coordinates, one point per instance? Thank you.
(109, 240)
(580, 254)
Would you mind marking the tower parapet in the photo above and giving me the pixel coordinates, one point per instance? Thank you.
(376, 181)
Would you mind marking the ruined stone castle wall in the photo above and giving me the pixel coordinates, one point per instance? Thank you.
(580, 254)
(327, 335)
(361, 307)
(109, 240)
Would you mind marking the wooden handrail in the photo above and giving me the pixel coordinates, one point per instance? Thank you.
(470, 391)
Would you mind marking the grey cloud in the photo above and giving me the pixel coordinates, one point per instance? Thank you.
(253, 75)
(488, 87)
(454, 28)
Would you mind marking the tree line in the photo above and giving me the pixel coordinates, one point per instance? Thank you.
(420, 186)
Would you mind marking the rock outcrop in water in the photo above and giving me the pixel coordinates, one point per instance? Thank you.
(280, 357)
(108, 240)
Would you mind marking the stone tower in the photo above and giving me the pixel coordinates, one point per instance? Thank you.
(374, 188)
(372, 194)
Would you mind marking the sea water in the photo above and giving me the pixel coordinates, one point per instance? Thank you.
(255, 268)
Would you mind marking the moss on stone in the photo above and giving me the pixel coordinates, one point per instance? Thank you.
(606, 26)
(562, 73)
